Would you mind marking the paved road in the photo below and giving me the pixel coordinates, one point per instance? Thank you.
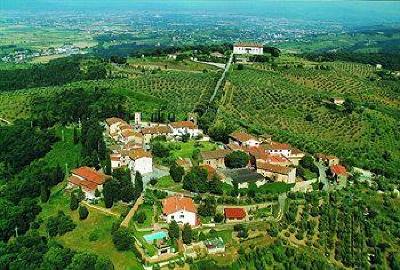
(218, 65)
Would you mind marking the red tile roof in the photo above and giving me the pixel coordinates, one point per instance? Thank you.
(157, 130)
(86, 185)
(216, 154)
(273, 168)
(241, 136)
(90, 175)
(234, 213)
(177, 203)
(338, 170)
(184, 124)
(139, 153)
(277, 146)
(113, 120)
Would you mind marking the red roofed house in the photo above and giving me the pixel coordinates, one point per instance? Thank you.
(181, 209)
(234, 214)
(338, 172)
(276, 148)
(185, 127)
(88, 180)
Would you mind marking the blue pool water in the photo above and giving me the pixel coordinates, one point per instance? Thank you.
(155, 236)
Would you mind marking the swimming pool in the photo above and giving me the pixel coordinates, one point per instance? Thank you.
(155, 236)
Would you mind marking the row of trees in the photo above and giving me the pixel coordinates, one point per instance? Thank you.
(175, 233)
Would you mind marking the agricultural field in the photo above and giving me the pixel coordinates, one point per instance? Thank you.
(174, 91)
(292, 103)
(169, 64)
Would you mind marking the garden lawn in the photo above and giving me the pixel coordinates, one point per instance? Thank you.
(185, 150)
(277, 187)
(64, 152)
(166, 182)
(148, 210)
(97, 224)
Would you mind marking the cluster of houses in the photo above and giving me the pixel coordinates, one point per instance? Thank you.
(269, 159)
(133, 142)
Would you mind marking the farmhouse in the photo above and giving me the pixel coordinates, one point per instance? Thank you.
(88, 180)
(338, 172)
(277, 173)
(234, 214)
(140, 161)
(151, 132)
(327, 159)
(181, 209)
(214, 158)
(258, 154)
(184, 128)
(276, 148)
(243, 139)
(248, 48)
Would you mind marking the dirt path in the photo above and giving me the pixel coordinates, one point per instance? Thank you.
(125, 222)
(101, 209)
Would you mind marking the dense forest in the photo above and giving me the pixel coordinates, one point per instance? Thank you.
(56, 72)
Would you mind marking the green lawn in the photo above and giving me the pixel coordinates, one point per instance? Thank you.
(185, 150)
(148, 210)
(64, 153)
(97, 224)
(166, 182)
(277, 187)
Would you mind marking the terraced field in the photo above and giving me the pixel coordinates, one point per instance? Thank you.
(278, 102)
(175, 91)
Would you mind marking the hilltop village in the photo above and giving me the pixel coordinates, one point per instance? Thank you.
(184, 188)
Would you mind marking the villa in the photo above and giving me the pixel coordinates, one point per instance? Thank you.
(277, 173)
(234, 214)
(88, 180)
(183, 128)
(248, 48)
(181, 209)
(243, 139)
(215, 159)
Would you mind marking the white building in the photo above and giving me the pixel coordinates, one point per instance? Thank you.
(181, 209)
(113, 125)
(185, 128)
(248, 48)
(243, 139)
(275, 148)
(140, 161)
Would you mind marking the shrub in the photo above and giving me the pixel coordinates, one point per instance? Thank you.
(122, 239)
(74, 202)
(237, 159)
(83, 212)
(140, 217)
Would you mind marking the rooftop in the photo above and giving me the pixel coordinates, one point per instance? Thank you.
(235, 212)
(216, 154)
(113, 120)
(157, 130)
(244, 175)
(183, 124)
(241, 136)
(274, 168)
(176, 203)
(90, 175)
(338, 170)
(248, 44)
(139, 153)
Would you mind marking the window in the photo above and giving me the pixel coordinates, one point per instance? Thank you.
(172, 217)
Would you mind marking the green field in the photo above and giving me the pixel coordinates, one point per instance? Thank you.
(277, 101)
